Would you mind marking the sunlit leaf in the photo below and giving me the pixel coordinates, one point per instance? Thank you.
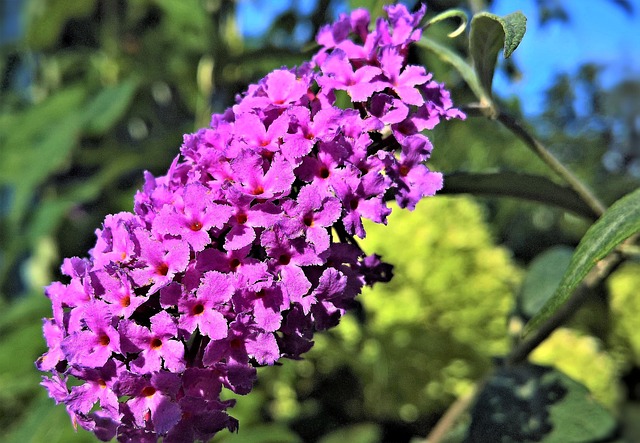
(489, 34)
(617, 224)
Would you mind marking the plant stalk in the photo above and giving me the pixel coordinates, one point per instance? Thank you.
(546, 156)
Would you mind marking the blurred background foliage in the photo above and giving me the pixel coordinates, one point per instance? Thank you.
(93, 93)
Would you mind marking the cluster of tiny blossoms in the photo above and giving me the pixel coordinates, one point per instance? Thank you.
(245, 248)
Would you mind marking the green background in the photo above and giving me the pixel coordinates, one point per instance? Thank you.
(113, 85)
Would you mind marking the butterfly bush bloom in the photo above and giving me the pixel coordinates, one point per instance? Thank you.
(245, 248)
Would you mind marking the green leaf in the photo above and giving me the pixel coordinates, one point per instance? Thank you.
(536, 403)
(489, 34)
(47, 134)
(109, 105)
(542, 279)
(577, 417)
(38, 143)
(618, 223)
(465, 70)
(513, 184)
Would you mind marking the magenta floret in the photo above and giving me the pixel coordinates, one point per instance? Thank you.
(245, 248)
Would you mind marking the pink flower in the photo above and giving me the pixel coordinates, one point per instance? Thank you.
(246, 246)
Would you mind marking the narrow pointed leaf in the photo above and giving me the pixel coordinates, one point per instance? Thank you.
(489, 34)
(512, 184)
(618, 223)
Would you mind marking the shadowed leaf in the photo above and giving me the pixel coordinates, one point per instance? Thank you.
(537, 403)
(512, 184)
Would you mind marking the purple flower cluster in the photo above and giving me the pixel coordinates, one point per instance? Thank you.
(245, 248)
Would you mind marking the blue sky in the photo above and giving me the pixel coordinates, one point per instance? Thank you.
(598, 31)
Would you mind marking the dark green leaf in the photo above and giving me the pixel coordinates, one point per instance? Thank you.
(529, 403)
(542, 279)
(489, 34)
(515, 25)
(617, 224)
(512, 184)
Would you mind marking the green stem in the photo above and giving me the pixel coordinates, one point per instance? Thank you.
(541, 151)
(452, 415)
